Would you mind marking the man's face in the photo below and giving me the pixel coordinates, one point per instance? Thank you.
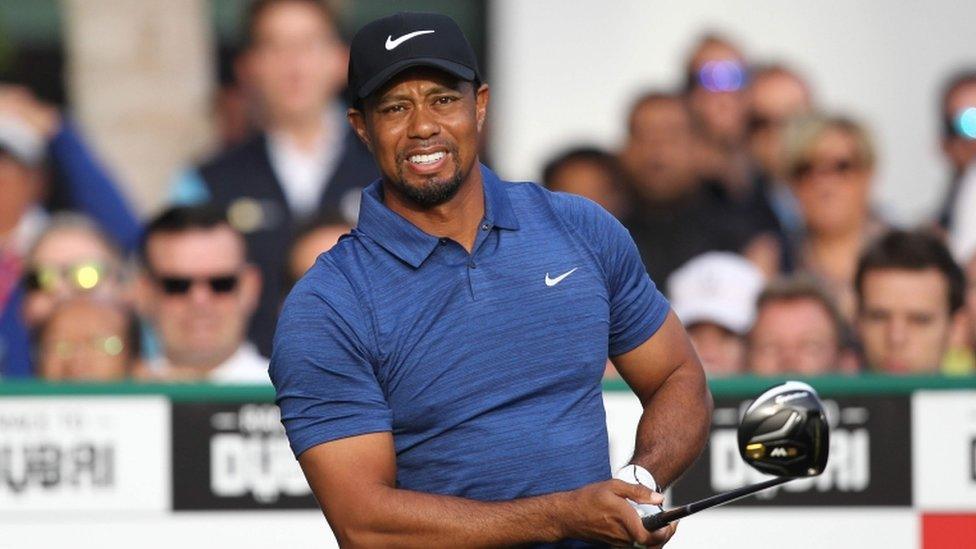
(720, 112)
(722, 351)
(199, 293)
(832, 184)
(296, 62)
(85, 341)
(589, 179)
(423, 129)
(658, 156)
(773, 99)
(959, 150)
(793, 336)
(904, 320)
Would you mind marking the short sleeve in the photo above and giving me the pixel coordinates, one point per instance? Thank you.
(637, 308)
(321, 364)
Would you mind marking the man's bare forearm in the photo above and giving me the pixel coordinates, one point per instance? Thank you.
(416, 519)
(674, 426)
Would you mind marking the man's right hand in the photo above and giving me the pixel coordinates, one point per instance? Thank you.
(354, 480)
(600, 512)
(19, 102)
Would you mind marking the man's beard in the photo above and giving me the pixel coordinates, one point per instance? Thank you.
(432, 192)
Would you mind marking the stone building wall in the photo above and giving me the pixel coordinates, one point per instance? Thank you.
(140, 80)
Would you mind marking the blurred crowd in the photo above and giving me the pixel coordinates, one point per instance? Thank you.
(749, 205)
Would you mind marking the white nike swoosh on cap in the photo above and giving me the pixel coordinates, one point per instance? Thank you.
(553, 281)
(391, 43)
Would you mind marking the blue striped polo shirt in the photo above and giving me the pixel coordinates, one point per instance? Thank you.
(485, 367)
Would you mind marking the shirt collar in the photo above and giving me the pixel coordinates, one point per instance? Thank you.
(412, 245)
(498, 206)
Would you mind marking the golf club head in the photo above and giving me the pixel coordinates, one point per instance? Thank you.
(784, 432)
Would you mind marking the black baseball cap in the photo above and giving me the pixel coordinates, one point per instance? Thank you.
(385, 47)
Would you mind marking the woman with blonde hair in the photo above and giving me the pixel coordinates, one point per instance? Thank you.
(830, 167)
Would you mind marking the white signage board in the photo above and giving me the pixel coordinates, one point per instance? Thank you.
(65, 453)
(944, 450)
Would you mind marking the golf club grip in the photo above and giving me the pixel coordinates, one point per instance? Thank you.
(654, 522)
(660, 520)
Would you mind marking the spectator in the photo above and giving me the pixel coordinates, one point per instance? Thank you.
(716, 78)
(72, 256)
(910, 294)
(87, 339)
(776, 95)
(958, 121)
(798, 330)
(676, 216)
(830, 162)
(307, 161)
(198, 292)
(235, 109)
(312, 241)
(963, 359)
(589, 172)
(714, 295)
(55, 142)
(31, 133)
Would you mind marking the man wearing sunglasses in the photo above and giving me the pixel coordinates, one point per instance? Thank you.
(958, 113)
(959, 148)
(199, 293)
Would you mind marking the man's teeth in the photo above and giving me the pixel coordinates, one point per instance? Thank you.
(426, 158)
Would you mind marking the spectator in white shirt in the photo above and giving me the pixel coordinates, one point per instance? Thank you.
(198, 292)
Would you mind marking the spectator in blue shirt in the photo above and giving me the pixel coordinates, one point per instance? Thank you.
(31, 133)
(438, 372)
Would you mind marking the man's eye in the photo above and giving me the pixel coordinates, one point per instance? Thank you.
(921, 319)
(446, 99)
(393, 109)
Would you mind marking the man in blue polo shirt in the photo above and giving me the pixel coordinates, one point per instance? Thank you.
(438, 371)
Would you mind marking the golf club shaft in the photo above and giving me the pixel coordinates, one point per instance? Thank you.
(654, 522)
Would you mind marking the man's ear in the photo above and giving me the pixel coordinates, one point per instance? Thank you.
(481, 104)
(250, 288)
(358, 122)
(959, 329)
(142, 298)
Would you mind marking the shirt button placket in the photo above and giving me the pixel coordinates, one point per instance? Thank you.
(472, 277)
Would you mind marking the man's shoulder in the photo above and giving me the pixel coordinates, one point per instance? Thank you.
(574, 212)
(336, 268)
(332, 293)
(338, 275)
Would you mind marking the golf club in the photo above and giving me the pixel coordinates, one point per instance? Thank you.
(783, 432)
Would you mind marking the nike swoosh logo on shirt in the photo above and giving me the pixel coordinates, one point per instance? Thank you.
(391, 43)
(553, 281)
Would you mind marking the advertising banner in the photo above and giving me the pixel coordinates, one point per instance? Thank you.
(869, 464)
(84, 454)
(234, 456)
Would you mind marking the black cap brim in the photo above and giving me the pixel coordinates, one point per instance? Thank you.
(377, 81)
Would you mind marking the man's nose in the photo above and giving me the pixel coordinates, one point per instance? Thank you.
(896, 332)
(200, 292)
(423, 124)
